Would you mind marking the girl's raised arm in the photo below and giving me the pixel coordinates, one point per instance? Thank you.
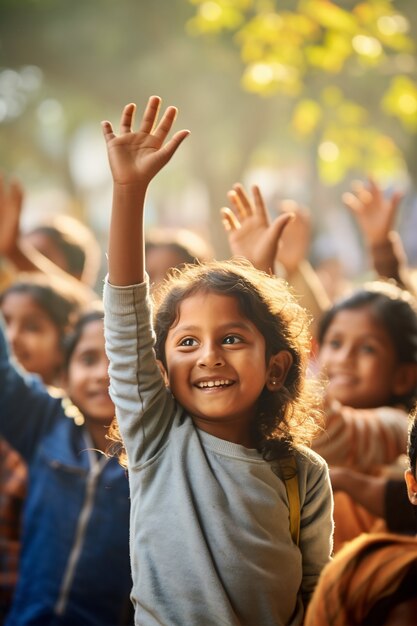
(135, 158)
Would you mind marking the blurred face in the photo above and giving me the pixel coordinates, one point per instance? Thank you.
(87, 377)
(216, 364)
(159, 261)
(359, 359)
(34, 338)
(46, 246)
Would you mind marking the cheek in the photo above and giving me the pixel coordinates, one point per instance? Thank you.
(74, 381)
(322, 357)
(48, 342)
(178, 371)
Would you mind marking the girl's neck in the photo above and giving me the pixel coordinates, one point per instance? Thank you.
(239, 434)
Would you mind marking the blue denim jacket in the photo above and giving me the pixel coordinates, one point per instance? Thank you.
(74, 568)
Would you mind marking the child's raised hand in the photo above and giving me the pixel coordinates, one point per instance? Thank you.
(136, 157)
(374, 213)
(249, 230)
(11, 201)
(295, 241)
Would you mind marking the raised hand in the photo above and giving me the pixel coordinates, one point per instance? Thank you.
(295, 241)
(374, 213)
(249, 230)
(136, 157)
(11, 200)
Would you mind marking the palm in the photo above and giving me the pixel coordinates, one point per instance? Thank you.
(134, 155)
(375, 215)
(249, 230)
(253, 240)
(295, 240)
(138, 156)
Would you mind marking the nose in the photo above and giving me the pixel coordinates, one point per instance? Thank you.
(346, 354)
(210, 356)
(101, 370)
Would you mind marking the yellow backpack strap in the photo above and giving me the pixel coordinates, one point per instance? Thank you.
(289, 474)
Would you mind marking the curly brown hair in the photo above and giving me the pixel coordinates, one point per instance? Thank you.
(285, 418)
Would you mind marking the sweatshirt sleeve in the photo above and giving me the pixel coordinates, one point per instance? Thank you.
(27, 410)
(144, 406)
(363, 439)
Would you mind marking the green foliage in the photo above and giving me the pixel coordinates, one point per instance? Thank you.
(289, 52)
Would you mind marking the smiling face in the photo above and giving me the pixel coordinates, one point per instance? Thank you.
(87, 377)
(359, 358)
(34, 338)
(216, 364)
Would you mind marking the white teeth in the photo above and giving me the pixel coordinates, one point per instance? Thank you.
(214, 383)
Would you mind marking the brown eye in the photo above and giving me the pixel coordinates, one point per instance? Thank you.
(188, 342)
(232, 339)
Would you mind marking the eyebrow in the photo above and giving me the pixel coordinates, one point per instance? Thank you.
(374, 335)
(180, 330)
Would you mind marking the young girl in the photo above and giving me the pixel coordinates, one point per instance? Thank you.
(37, 318)
(208, 401)
(372, 580)
(74, 566)
(368, 352)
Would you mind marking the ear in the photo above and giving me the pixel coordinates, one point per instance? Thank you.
(163, 372)
(411, 486)
(277, 370)
(405, 378)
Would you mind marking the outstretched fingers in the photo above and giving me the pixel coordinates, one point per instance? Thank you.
(260, 207)
(281, 222)
(107, 129)
(173, 144)
(352, 202)
(229, 219)
(127, 118)
(165, 124)
(150, 115)
(240, 202)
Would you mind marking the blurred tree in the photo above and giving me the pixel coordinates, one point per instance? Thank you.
(349, 67)
(87, 59)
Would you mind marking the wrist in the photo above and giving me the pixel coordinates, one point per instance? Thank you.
(129, 195)
(129, 188)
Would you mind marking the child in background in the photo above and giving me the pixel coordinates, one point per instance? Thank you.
(37, 318)
(64, 248)
(372, 580)
(209, 400)
(74, 566)
(252, 235)
(376, 215)
(166, 248)
(248, 227)
(368, 352)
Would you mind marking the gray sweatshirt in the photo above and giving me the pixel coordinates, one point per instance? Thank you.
(209, 537)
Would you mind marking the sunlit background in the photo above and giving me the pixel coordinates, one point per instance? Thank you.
(301, 97)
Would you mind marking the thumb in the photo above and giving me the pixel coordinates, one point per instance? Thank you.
(396, 198)
(279, 224)
(16, 196)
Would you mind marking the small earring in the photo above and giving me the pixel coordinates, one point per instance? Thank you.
(274, 381)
